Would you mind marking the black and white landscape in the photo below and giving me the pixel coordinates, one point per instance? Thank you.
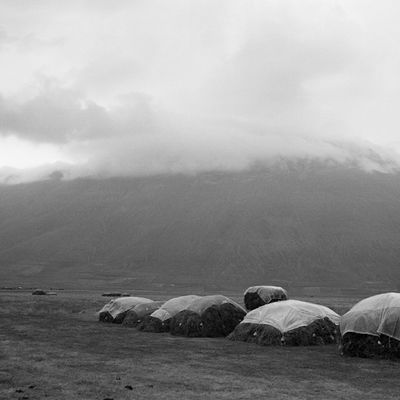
(160, 157)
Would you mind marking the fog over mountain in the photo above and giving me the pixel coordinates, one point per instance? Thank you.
(139, 88)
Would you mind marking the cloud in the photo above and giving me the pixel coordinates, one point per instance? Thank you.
(150, 87)
(58, 115)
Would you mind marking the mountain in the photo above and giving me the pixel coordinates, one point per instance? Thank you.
(296, 224)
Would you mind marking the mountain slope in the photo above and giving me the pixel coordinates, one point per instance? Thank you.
(307, 224)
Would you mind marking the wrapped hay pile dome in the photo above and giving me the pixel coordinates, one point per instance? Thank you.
(135, 316)
(116, 309)
(257, 296)
(290, 322)
(372, 327)
(208, 316)
(159, 320)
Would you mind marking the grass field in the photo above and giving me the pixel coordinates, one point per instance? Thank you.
(54, 348)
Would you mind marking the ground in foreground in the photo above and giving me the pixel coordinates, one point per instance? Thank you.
(53, 347)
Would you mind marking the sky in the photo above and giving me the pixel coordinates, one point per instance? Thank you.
(141, 87)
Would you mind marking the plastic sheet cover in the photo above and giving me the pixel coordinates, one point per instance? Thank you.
(146, 308)
(374, 315)
(200, 305)
(173, 306)
(268, 293)
(122, 304)
(289, 314)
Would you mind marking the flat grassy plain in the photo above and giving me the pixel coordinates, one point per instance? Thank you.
(52, 347)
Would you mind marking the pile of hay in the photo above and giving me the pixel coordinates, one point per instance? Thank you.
(372, 328)
(369, 346)
(288, 323)
(159, 320)
(208, 316)
(135, 316)
(115, 311)
(257, 296)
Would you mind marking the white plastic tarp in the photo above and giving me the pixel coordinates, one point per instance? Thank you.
(374, 315)
(200, 305)
(289, 314)
(268, 293)
(173, 306)
(122, 304)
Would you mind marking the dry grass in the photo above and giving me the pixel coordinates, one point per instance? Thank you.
(56, 344)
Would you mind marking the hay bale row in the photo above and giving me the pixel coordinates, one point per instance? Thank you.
(370, 329)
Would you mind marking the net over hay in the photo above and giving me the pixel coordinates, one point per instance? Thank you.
(208, 316)
(372, 327)
(159, 320)
(257, 296)
(290, 323)
(116, 309)
(135, 316)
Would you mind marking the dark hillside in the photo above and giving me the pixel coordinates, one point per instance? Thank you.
(307, 224)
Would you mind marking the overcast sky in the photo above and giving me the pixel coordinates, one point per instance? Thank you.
(132, 87)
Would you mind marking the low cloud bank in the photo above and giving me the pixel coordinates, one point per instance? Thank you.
(148, 88)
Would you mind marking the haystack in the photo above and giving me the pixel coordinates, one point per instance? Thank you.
(372, 328)
(257, 296)
(116, 309)
(135, 316)
(159, 320)
(208, 316)
(290, 322)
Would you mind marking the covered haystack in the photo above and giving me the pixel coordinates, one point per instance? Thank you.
(160, 319)
(208, 316)
(290, 322)
(257, 296)
(372, 327)
(116, 309)
(135, 316)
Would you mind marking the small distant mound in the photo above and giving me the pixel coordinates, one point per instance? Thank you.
(116, 310)
(290, 323)
(257, 296)
(39, 292)
(135, 316)
(371, 329)
(208, 316)
(112, 294)
(159, 320)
